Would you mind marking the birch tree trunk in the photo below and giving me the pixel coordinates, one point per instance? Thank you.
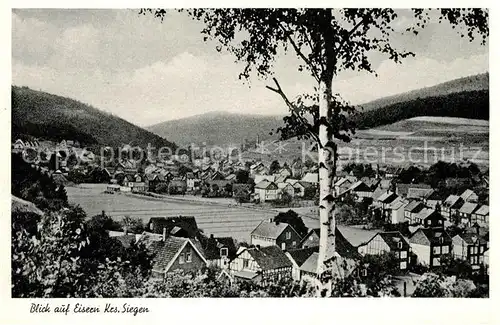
(326, 164)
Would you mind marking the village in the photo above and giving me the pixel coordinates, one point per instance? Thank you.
(421, 227)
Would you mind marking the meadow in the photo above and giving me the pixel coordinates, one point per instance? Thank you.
(213, 218)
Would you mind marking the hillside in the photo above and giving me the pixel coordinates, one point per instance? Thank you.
(51, 117)
(470, 83)
(465, 98)
(467, 104)
(218, 128)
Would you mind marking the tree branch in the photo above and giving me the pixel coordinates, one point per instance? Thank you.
(299, 52)
(292, 109)
(349, 34)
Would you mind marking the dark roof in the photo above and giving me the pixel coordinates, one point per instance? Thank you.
(453, 201)
(165, 251)
(414, 206)
(211, 247)
(270, 257)
(392, 238)
(301, 255)
(471, 238)
(188, 224)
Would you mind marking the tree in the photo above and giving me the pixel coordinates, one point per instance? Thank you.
(292, 218)
(326, 41)
(242, 176)
(274, 167)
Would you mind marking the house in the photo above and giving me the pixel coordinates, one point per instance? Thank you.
(395, 211)
(429, 245)
(481, 216)
(392, 171)
(286, 188)
(342, 185)
(193, 183)
(344, 264)
(311, 239)
(18, 145)
(172, 254)
(403, 189)
(301, 188)
(310, 178)
(428, 218)
(451, 206)
(177, 186)
(384, 200)
(371, 182)
(261, 264)
(411, 210)
(285, 171)
(469, 196)
(218, 251)
(258, 169)
(280, 179)
(391, 242)
(266, 191)
(181, 226)
(356, 236)
(298, 257)
(260, 178)
(112, 188)
(360, 190)
(269, 233)
(470, 247)
(466, 211)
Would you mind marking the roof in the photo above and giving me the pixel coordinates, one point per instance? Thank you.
(483, 210)
(397, 204)
(301, 255)
(244, 274)
(419, 193)
(425, 213)
(360, 186)
(468, 207)
(472, 238)
(392, 238)
(270, 229)
(339, 268)
(342, 181)
(466, 194)
(166, 251)
(414, 206)
(265, 184)
(424, 236)
(385, 183)
(356, 236)
(211, 247)
(310, 178)
(188, 224)
(402, 189)
(270, 257)
(387, 197)
(452, 201)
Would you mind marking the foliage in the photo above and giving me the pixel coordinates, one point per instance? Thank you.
(438, 285)
(292, 218)
(161, 187)
(242, 176)
(274, 167)
(35, 186)
(360, 170)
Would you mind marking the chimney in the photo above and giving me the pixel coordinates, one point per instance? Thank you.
(103, 213)
(164, 236)
(277, 222)
(211, 236)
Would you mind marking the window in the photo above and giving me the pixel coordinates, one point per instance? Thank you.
(181, 258)
(436, 250)
(435, 261)
(283, 246)
(364, 272)
(288, 235)
(474, 250)
(441, 240)
(402, 265)
(294, 243)
(444, 250)
(245, 263)
(400, 245)
(481, 249)
(188, 257)
(223, 252)
(403, 254)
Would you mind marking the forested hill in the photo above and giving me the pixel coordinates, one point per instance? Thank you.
(466, 104)
(51, 117)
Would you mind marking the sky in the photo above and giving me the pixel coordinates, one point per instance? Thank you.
(148, 72)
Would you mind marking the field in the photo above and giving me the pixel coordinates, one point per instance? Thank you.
(213, 218)
(417, 141)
